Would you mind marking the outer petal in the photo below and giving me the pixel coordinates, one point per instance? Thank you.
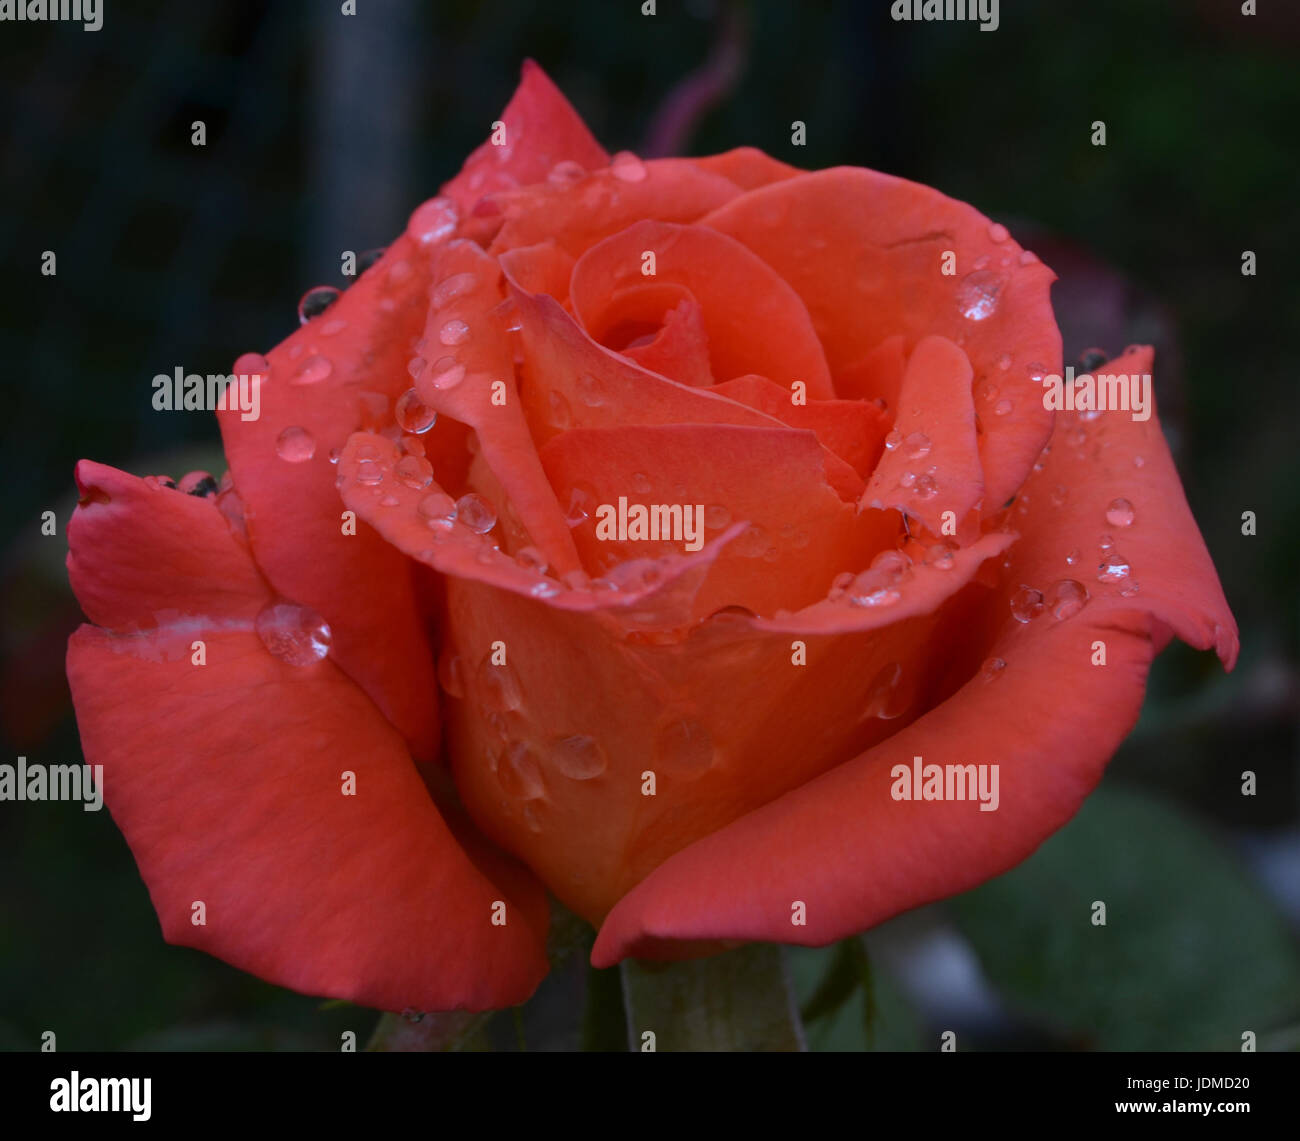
(226, 779)
(358, 583)
(854, 855)
(541, 129)
(866, 253)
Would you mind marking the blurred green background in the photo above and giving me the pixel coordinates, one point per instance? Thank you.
(325, 131)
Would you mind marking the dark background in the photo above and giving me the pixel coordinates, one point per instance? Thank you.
(324, 131)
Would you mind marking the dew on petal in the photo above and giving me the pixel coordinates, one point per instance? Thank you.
(297, 635)
(916, 446)
(565, 173)
(476, 513)
(626, 167)
(296, 445)
(977, 294)
(315, 301)
(683, 746)
(992, 669)
(1120, 513)
(519, 772)
(312, 371)
(1066, 598)
(893, 439)
(716, 517)
(447, 372)
(561, 413)
(455, 286)
(579, 756)
(451, 674)
(998, 232)
(530, 558)
(1026, 604)
(498, 686)
(438, 510)
(414, 472)
(433, 221)
(454, 332)
(1113, 567)
(413, 415)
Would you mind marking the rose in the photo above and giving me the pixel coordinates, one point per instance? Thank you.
(905, 555)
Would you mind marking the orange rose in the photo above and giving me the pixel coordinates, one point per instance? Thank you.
(769, 595)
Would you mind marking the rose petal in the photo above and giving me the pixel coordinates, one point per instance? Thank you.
(866, 251)
(748, 167)
(359, 584)
(754, 321)
(680, 350)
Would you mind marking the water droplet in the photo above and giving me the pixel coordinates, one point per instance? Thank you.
(315, 301)
(1026, 604)
(1036, 371)
(1073, 557)
(1002, 407)
(476, 513)
(312, 371)
(1129, 589)
(433, 221)
(451, 674)
(1058, 495)
(499, 686)
(413, 415)
(916, 446)
(716, 517)
(530, 558)
(883, 699)
(252, 364)
(297, 635)
(1066, 598)
(626, 167)
(925, 487)
(415, 366)
(454, 332)
(519, 773)
(582, 505)
(370, 473)
(1105, 542)
(992, 669)
(455, 286)
(438, 510)
(389, 501)
(367, 258)
(1120, 513)
(295, 445)
(1027, 257)
(998, 232)
(1004, 361)
(446, 372)
(684, 746)
(939, 556)
(1138, 461)
(561, 413)
(579, 757)
(1113, 567)
(893, 439)
(590, 391)
(564, 174)
(907, 479)
(977, 295)
(414, 471)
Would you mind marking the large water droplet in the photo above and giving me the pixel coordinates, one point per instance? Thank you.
(519, 773)
(295, 634)
(1114, 567)
(626, 167)
(977, 294)
(1066, 598)
(476, 513)
(454, 332)
(295, 445)
(455, 286)
(499, 686)
(451, 674)
(315, 301)
(916, 446)
(446, 372)
(438, 510)
(414, 472)
(413, 415)
(1026, 604)
(579, 757)
(992, 669)
(684, 746)
(1120, 513)
(590, 391)
(433, 221)
(312, 371)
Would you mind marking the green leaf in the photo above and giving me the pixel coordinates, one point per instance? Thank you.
(847, 1003)
(1192, 954)
(737, 1001)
